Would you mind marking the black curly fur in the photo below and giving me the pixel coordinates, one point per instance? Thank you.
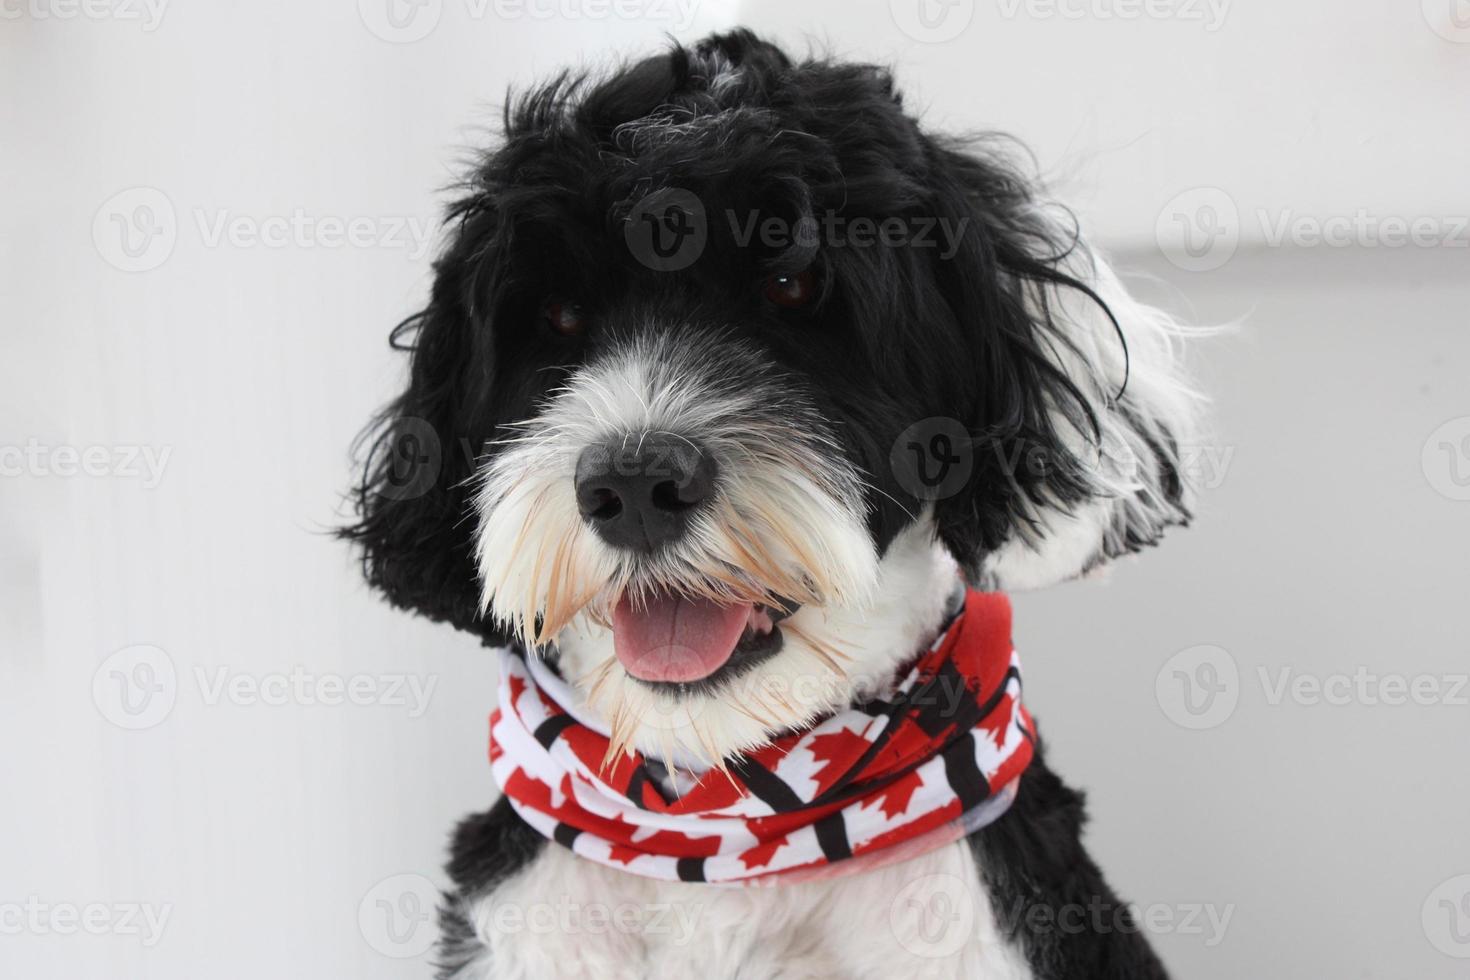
(1048, 894)
(898, 335)
(901, 334)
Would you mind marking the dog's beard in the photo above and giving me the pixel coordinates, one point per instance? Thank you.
(784, 530)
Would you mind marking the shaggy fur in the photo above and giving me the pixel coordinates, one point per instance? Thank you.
(1058, 395)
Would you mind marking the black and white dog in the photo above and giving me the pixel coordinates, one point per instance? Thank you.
(727, 336)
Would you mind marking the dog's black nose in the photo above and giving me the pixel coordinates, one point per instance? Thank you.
(641, 493)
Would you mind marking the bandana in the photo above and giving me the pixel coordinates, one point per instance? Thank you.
(884, 780)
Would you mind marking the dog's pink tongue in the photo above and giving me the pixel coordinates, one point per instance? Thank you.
(667, 638)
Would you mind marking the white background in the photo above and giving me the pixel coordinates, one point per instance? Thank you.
(1332, 536)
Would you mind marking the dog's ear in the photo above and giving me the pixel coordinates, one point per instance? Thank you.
(413, 500)
(1080, 412)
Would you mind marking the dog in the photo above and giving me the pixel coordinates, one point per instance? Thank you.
(735, 392)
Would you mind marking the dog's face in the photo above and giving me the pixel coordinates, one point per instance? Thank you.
(727, 365)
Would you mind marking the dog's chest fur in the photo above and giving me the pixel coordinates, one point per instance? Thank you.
(562, 916)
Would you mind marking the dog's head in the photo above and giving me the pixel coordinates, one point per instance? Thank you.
(727, 365)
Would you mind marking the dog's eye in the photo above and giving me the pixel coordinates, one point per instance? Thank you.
(567, 319)
(792, 291)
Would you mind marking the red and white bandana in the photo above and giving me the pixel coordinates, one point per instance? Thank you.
(881, 781)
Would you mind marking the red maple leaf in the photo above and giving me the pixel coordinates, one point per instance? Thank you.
(894, 799)
(840, 751)
(517, 688)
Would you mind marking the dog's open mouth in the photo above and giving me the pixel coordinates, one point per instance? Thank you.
(670, 639)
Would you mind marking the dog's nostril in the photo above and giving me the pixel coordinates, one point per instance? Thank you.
(605, 504)
(666, 497)
(641, 493)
